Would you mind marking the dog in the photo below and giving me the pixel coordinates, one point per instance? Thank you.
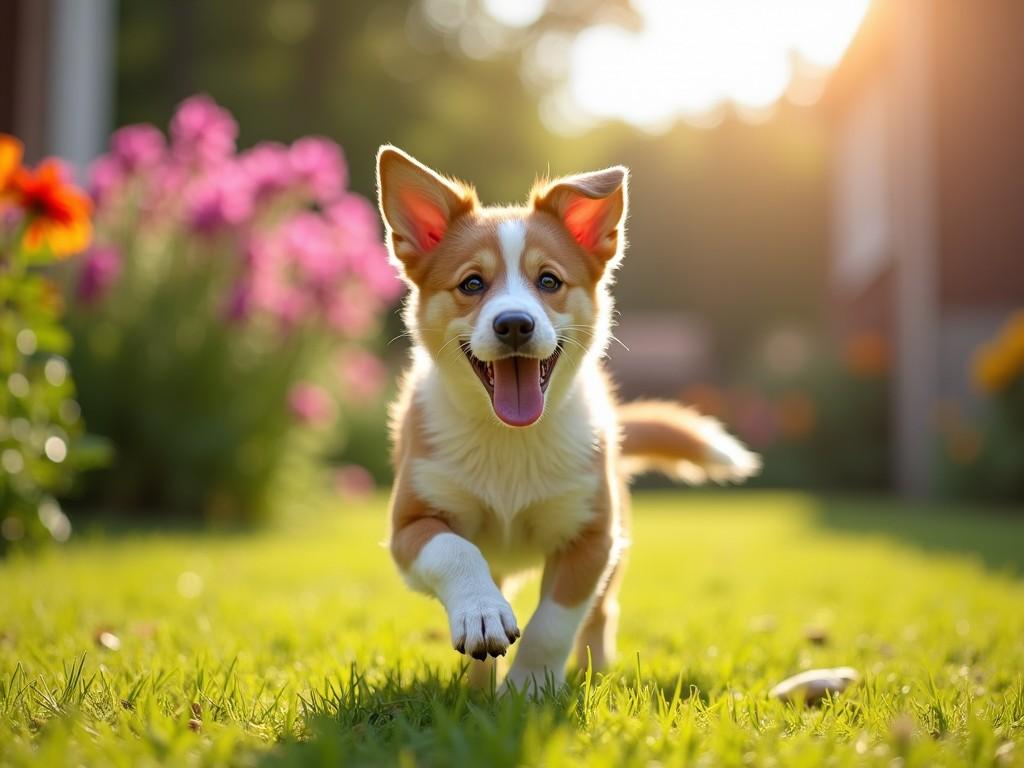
(510, 449)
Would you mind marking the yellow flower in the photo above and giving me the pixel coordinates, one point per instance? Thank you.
(1000, 362)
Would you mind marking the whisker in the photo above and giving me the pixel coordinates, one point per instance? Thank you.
(591, 332)
(461, 339)
(567, 340)
(408, 333)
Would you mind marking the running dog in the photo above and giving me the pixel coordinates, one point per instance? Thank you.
(510, 448)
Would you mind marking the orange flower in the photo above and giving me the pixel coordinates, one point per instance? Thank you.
(57, 213)
(797, 415)
(10, 161)
(867, 354)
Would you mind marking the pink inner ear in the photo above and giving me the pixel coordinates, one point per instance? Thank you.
(425, 219)
(584, 219)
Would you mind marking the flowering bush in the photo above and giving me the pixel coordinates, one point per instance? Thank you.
(815, 410)
(989, 462)
(43, 219)
(222, 295)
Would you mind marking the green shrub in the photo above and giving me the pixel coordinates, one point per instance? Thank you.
(43, 219)
(228, 316)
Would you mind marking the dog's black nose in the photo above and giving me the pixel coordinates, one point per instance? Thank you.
(514, 328)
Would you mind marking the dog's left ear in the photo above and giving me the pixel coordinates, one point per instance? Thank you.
(592, 206)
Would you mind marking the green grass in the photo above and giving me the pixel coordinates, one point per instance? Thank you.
(305, 648)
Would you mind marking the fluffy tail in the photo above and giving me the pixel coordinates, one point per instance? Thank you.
(681, 443)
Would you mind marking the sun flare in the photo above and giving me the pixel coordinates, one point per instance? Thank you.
(692, 57)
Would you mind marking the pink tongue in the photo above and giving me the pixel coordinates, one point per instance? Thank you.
(518, 399)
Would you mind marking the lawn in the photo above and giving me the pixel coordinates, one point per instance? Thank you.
(303, 647)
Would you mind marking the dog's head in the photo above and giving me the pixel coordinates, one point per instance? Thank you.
(507, 301)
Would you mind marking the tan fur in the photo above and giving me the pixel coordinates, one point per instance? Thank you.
(661, 431)
(553, 492)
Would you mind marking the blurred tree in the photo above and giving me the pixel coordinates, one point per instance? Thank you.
(728, 222)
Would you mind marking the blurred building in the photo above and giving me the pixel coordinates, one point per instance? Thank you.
(57, 76)
(659, 354)
(927, 157)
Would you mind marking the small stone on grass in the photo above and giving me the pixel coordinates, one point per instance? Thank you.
(815, 684)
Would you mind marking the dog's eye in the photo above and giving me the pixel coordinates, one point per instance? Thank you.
(472, 284)
(549, 282)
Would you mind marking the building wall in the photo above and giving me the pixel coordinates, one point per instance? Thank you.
(57, 77)
(24, 72)
(978, 61)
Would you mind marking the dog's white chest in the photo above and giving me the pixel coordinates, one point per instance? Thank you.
(517, 494)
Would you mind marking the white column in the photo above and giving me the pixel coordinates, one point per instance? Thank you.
(81, 75)
(916, 297)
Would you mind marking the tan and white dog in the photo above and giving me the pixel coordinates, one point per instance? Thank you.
(510, 449)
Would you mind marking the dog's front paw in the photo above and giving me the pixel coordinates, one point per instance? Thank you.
(482, 625)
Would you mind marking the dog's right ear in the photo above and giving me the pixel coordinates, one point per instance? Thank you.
(418, 205)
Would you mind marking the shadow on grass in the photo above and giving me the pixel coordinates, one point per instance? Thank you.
(436, 719)
(433, 719)
(995, 535)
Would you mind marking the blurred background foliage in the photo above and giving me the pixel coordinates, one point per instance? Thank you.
(732, 254)
(706, 205)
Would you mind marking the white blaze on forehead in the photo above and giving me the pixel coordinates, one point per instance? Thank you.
(512, 238)
(515, 294)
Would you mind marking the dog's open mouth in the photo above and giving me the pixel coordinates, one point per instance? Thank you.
(516, 385)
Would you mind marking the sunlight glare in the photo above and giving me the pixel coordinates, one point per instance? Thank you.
(692, 57)
(515, 13)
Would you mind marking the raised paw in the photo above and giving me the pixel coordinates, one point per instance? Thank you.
(483, 626)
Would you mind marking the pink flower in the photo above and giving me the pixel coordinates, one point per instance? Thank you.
(291, 307)
(352, 310)
(136, 147)
(356, 219)
(269, 169)
(354, 481)
(362, 375)
(105, 178)
(309, 243)
(219, 201)
(202, 132)
(319, 165)
(266, 287)
(101, 268)
(240, 302)
(310, 404)
(165, 186)
(380, 274)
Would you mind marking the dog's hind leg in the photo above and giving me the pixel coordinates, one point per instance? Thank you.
(600, 629)
(573, 577)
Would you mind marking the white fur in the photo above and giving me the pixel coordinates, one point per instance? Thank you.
(519, 494)
(515, 294)
(727, 458)
(512, 238)
(547, 641)
(479, 617)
